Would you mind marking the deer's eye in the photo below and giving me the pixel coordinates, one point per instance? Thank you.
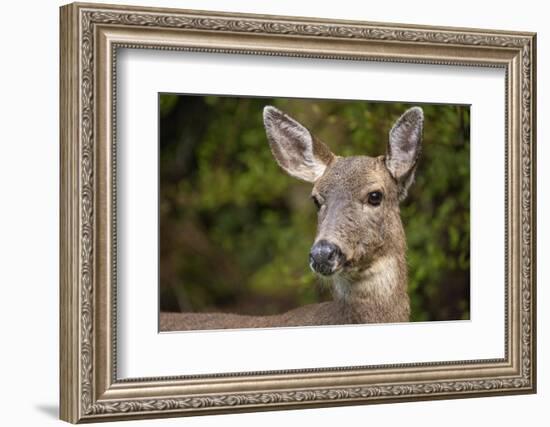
(374, 198)
(317, 202)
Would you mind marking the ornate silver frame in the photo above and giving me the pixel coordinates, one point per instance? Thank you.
(90, 36)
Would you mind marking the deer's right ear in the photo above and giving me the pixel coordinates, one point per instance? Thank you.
(296, 150)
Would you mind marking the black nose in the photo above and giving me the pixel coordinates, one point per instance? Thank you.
(325, 257)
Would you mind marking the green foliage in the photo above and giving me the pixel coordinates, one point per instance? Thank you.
(236, 230)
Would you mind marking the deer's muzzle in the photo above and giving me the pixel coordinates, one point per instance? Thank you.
(325, 258)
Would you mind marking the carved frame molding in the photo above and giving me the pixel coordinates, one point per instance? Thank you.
(90, 37)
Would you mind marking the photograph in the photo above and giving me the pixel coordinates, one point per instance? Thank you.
(286, 212)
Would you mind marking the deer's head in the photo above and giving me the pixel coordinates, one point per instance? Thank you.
(357, 197)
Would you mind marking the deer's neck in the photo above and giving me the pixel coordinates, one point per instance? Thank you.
(376, 294)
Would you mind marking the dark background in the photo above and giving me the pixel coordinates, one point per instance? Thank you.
(235, 230)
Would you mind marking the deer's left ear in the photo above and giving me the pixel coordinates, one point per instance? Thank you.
(404, 148)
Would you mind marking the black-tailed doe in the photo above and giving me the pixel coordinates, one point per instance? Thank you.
(360, 243)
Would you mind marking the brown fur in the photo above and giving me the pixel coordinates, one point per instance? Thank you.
(371, 285)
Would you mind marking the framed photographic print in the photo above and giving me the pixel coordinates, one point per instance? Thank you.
(265, 212)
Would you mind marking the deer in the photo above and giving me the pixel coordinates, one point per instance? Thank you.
(360, 245)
